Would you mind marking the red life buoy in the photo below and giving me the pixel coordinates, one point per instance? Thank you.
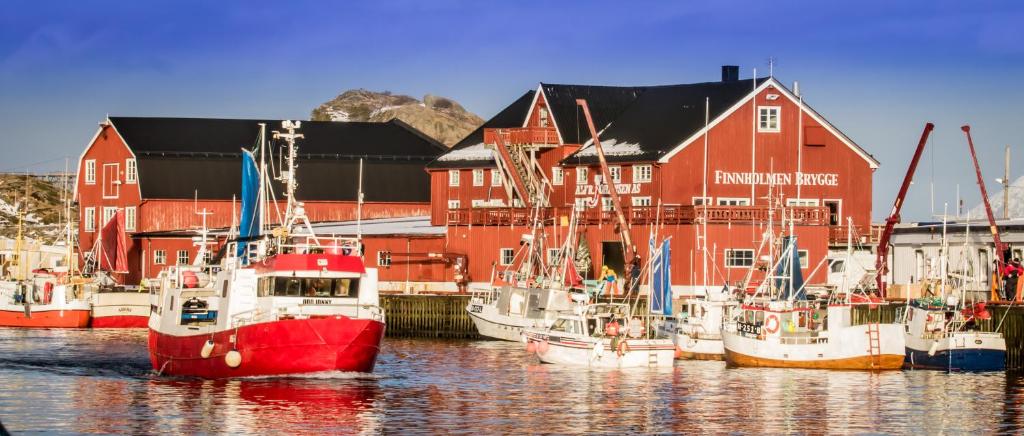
(771, 325)
(623, 348)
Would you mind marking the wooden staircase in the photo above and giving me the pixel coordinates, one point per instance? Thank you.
(521, 169)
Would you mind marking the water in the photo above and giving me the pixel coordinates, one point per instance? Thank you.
(100, 382)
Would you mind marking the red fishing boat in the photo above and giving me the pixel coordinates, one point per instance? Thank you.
(282, 302)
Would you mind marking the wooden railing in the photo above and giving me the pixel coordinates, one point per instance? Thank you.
(680, 214)
(523, 136)
(867, 235)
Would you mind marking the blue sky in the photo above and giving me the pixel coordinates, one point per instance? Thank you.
(878, 70)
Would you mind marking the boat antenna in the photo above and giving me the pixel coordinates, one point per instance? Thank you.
(359, 203)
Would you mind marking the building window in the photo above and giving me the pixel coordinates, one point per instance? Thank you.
(641, 174)
(726, 201)
(506, 256)
(89, 221)
(606, 204)
(641, 201)
(986, 269)
(739, 258)
(495, 177)
(700, 201)
(182, 257)
(804, 261)
(557, 176)
(838, 266)
(478, 177)
(453, 204)
(131, 171)
(90, 172)
(159, 257)
(543, 117)
(553, 254)
(581, 175)
(768, 118)
(129, 218)
(803, 202)
(384, 258)
(453, 177)
(616, 174)
(207, 257)
(108, 213)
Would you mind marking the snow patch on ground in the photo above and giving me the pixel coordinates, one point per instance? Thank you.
(612, 147)
(10, 211)
(473, 152)
(383, 110)
(338, 115)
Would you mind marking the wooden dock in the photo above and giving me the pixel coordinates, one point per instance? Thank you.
(428, 316)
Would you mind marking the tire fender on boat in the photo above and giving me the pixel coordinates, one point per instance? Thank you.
(934, 348)
(207, 349)
(542, 347)
(598, 350)
(623, 348)
(233, 358)
(531, 347)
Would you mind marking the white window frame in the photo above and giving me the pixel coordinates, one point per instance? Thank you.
(159, 257)
(90, 172)
(642, 173)
(179, 255)
(606, 204)
(728, 201)
(557, 176)
(506, 253)
(384, 258)
(764, 125)
(803, 202)
(641, 201)
(453, 177)
(730, 262)
(89, 219)
(553, 254)
(581, 175)
(616, 172)
(700, 201)
(542, 117)
(478, 177)
(108, 213)
(839, 210)
(805, 258)
(131, 171)
(454, 204)
(130, 218)
(495, 177)
(115, 184)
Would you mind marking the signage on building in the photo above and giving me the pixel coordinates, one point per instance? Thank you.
(621, 188)
(779, 179)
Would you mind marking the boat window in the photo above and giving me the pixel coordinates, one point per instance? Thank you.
(317, 287)
(562, 325)
(308, 287)
(346, 287)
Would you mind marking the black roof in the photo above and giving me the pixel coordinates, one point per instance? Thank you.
(605, 103)
(662, 117)
(512, 116)
(179, 158)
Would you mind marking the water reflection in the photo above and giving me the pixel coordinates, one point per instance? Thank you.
(100, 382)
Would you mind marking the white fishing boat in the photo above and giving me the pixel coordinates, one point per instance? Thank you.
(602, 335)
(781, 326)
(697, 330)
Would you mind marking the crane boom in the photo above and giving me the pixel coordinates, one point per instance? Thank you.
(881, 261)
(607, 176)
(1000, 248)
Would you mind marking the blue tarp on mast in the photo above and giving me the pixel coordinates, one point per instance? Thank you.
(661, 279)
(249, 222)
(789, 272)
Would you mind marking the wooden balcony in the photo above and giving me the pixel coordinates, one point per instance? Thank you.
(542, 136)
(681, 214)
(865, 235)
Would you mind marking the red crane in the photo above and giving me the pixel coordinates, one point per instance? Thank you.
(1000, 247)
(606, 175)
(881, 262)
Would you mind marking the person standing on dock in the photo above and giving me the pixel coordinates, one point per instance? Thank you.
(1010, 273)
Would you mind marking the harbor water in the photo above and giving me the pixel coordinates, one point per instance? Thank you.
(99, 381)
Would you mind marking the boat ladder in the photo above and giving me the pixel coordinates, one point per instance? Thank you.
(652, 358)
(874, 345)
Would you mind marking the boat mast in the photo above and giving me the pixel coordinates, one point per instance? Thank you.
(295, 212)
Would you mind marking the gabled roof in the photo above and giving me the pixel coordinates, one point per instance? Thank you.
(179, 158)
(606, 104)
(470, 151)
(661, 118)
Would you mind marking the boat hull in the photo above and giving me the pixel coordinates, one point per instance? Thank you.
(690, 348)
(283, 347)
(885, 361)
(585, 351)
(843, 348)
(958, 360)
(505, 328)
(120, 310)
(45, 318)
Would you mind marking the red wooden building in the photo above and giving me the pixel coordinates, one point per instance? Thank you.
(698, 159)
(163, 171)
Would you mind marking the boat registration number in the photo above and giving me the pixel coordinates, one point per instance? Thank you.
(476, 308)
(754, 329)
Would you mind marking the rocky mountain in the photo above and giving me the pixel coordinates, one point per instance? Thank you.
(440, 118)
(42, 220)
(996, 200)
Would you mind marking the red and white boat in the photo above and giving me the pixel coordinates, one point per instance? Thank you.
(42, 302)
(118, 308)
(279, 303)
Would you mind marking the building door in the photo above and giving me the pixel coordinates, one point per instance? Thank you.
(613, 257)
(111, 184)
(833, 212)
